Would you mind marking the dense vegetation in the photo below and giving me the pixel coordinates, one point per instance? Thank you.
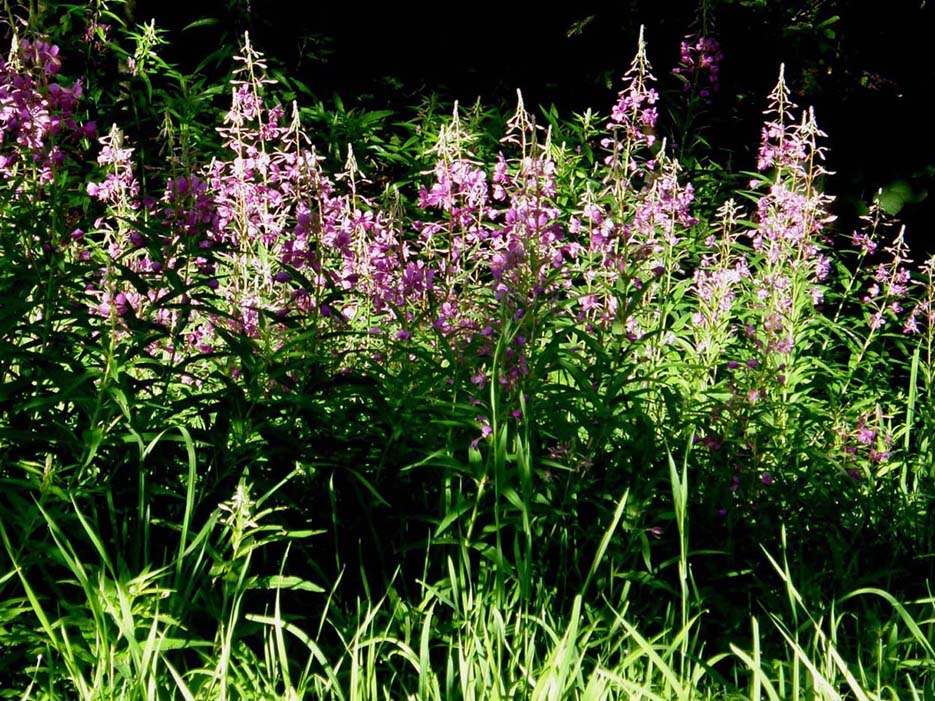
(479, 406)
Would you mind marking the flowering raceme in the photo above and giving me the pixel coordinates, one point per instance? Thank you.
(716, 283)
(923, 311)
(791, 218)
(119, 185)
(632, 124)
(890, 285)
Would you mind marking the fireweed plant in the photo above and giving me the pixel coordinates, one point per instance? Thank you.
(560, 434)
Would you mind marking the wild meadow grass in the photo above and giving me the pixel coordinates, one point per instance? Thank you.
(487, 407)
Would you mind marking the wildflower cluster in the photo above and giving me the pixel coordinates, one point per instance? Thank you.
(38, 124)
(700, 66)
(634, 225)
(755, 348)
(262, 244)
(866, 440)
(506, 236)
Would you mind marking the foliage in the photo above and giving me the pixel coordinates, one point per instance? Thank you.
(470, 406)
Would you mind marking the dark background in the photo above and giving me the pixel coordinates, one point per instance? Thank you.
(867, 68)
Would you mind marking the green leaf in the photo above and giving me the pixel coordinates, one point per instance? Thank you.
(279, 581)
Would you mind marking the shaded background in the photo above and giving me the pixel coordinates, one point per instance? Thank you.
(866, 67)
